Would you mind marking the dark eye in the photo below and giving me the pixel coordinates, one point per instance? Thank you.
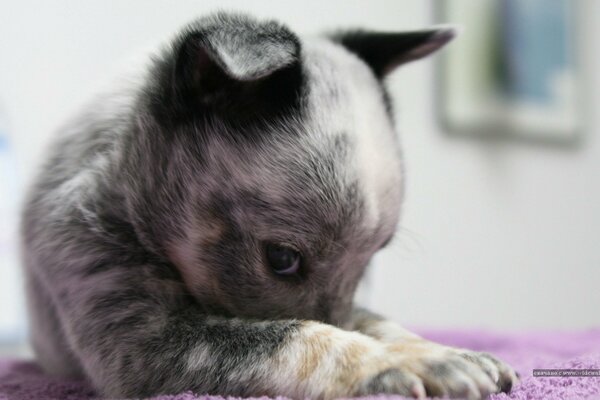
(283, 260)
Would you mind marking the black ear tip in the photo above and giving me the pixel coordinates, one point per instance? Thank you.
(445, 34)
(427, 43)
(385, 51)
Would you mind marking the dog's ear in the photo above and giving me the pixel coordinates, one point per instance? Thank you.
(226, 59)
(384, 51)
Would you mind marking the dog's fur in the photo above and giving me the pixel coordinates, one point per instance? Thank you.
(144, 235)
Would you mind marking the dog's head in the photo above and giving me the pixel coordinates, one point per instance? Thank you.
(271, 168)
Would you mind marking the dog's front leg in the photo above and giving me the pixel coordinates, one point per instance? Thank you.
(137, 333)
(402, 340)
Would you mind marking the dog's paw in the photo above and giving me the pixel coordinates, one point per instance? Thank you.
(451, 372)
(335, 363)
(501, 373)
(392, 380)
(418, 368)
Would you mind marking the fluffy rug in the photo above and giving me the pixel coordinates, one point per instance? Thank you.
(23, 380)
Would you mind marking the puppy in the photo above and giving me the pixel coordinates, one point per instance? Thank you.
(205, 227)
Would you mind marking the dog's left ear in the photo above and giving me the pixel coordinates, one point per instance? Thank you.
(385, 51)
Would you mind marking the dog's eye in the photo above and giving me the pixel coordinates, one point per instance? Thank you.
(283, 260)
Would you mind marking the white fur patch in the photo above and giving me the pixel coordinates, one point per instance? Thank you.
(346, 98)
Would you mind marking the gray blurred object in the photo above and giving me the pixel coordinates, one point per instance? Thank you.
(513, 73)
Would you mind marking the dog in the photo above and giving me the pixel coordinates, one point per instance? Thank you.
(205, 225)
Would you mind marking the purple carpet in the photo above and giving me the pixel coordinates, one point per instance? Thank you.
(22, 380)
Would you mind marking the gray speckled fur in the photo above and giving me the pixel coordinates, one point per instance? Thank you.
(144, 231)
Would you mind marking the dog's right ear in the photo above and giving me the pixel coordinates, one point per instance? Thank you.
(227, 58)
(385, 51)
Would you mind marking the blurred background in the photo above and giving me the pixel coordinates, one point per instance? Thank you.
(501, 224)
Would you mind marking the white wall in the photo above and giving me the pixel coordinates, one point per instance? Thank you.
(493, 235)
